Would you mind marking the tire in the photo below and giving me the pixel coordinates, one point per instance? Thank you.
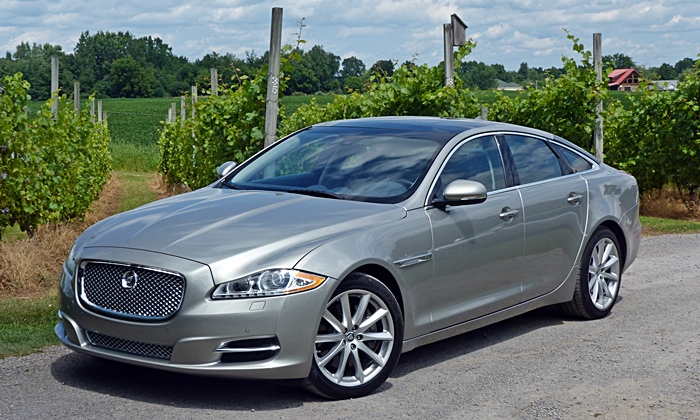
(343, 342)
(598, 281)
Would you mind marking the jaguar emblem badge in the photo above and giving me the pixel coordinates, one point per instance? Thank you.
(129, 279)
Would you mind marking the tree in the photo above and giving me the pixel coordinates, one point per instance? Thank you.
(130, 80)
(684, 64)
(619, 61)
(316, 71)
(383, 67)
(523, 72)
(34, 61)
(352, 66)
(477, 75)
(325, 65)
(666, 72)
(354, 84)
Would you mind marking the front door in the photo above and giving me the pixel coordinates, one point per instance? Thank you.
(477, 249)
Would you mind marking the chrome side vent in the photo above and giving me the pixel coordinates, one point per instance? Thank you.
(250, 350)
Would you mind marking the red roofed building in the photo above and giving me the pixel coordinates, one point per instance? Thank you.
(624, 79)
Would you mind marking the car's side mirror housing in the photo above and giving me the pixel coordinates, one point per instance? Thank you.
(226, 168)
(462, 192)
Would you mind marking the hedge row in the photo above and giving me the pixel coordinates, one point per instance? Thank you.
(50, 171)
(656, 140)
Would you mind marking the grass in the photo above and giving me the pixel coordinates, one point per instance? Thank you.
(292, 103)
(134, 126)
(657, 226)
(26, 326)
(134, 157)
(12, 233)
(137, 191)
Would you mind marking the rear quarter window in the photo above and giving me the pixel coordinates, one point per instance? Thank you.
(534, 160)
(575, 161)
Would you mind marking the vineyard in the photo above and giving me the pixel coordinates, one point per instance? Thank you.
(53, 165)
(653, 135)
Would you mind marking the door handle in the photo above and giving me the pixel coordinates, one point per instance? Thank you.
(508, 214)
(574, 198)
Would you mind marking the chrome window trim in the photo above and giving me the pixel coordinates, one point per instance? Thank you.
(594, 167)
(594, 164)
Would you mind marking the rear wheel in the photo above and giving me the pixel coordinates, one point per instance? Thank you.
(358, 340)
(598, 282)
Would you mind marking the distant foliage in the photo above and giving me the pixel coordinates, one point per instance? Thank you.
(53, 170)
(410, 90)
(657, 139)
(225, 127)
(564, 106)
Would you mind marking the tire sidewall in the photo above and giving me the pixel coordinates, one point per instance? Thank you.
(370, 284)
(590, 308)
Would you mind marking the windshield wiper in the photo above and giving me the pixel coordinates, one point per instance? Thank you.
(316, 193)
(232, 185)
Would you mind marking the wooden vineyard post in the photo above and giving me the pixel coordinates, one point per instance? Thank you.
(54, 86)
(598, 66)
(76, 96)
(214, 82)
(273, 77)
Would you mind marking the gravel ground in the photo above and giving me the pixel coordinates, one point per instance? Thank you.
(642, 361)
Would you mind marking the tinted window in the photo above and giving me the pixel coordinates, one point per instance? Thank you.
(477, 160)
(534, 160)
(359, 164)
(576, 162)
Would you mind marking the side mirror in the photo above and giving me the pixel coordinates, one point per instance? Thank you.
(226, 168)
(461, 192)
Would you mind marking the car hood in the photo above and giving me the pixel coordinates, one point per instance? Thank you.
(237, 232)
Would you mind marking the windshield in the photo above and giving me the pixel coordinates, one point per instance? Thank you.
(376, 165)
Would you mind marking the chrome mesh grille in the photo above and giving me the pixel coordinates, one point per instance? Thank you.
(128, 346)
(154, 295)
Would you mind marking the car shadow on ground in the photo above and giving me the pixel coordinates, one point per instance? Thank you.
(481, 338)
(460, 345)
(187, 391)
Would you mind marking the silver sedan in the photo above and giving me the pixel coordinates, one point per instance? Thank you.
(325, 256)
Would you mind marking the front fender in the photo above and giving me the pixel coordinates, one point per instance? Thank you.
(382, 246)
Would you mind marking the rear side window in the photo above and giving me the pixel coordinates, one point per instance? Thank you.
(534, 160)
(575, 161)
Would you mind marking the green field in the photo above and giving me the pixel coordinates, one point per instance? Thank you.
(134, 125)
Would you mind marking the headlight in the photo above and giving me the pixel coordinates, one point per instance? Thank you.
(70, 261)
(268, 283)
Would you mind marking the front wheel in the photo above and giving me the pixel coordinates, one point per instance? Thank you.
(598, 282)
(358, 340)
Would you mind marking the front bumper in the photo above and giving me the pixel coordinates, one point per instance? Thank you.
(202, 325)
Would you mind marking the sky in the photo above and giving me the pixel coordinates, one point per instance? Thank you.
(508, 32)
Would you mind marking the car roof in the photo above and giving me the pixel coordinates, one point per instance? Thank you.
(451, 126)
(443, 128)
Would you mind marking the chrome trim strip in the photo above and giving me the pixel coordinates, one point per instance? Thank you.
(222, 349)
(407, 262)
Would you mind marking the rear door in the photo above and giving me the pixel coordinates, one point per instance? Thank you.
(555, 201)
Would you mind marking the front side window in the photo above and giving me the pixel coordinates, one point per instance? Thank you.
(476, 160)
(377, 165)
(534, 160)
